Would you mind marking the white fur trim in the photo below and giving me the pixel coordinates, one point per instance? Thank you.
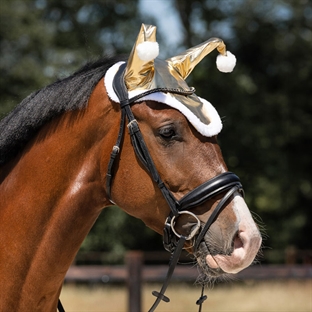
(208, 130)
(226, 63)
(147, 50)
(108, 81)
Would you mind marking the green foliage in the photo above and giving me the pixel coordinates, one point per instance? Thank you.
(41, 41)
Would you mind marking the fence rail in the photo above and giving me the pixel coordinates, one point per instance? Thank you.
(182, 273)
(289, 256)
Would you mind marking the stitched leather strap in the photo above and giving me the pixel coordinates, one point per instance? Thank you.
(137, 140)
(208, 190)
(214, 215)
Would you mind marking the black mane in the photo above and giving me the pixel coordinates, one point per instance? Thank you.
(71, 93)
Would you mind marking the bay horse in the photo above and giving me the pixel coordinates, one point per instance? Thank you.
(66, 155)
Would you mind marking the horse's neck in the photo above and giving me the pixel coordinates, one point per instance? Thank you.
(50, 200)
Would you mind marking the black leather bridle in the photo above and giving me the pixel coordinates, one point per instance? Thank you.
(226, 182)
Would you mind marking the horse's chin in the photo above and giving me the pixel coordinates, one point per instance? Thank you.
(209, 268)
(208, 272)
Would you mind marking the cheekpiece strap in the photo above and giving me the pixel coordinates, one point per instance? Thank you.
(137, 140)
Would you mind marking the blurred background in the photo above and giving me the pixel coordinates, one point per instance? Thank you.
(265, 104)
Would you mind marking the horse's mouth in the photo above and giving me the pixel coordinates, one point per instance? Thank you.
(205, 253)
(208, 266)
(209, 253)
(231, 259)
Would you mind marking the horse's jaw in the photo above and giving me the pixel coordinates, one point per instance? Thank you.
(245, 245)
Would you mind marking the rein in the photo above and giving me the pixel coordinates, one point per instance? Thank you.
(173, 242)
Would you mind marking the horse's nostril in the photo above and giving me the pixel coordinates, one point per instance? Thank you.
(237, 241)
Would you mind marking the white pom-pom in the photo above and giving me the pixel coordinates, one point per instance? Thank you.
(226, 63)
(147, 50)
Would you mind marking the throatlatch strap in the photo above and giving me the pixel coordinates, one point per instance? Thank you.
(114, 153)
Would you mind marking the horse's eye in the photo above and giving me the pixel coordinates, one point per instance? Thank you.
(167, 133)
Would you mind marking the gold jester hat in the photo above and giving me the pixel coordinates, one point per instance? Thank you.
(145, 72)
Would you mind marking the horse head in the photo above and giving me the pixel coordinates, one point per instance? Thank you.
(178, 153)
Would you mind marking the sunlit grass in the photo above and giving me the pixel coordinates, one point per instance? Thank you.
(270, 296)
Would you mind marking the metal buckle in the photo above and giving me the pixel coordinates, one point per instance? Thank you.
(195, 228)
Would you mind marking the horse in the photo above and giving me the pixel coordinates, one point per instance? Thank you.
(65, 155)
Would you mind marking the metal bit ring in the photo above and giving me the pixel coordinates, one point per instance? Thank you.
(195, 229)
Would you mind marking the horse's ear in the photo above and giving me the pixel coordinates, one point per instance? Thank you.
(140, 65)
(185, 62)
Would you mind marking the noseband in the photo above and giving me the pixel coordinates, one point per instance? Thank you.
(227, 183)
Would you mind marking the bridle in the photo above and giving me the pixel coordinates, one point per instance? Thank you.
(173, 241)
(226, 182)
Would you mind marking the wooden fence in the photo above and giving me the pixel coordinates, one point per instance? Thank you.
(134, 272)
